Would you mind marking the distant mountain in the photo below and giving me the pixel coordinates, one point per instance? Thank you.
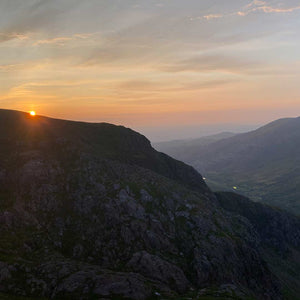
(184, 149)
(92, 211)
(263, 164)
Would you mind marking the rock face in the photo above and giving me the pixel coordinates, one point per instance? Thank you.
(276, 229)
(279, 238)
(92, 211)
(156, 268)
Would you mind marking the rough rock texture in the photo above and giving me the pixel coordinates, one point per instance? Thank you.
(279, 238)
(158, 269)
(276, 229)
(91, 210)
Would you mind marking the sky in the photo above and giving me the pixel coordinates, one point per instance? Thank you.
(168, 68)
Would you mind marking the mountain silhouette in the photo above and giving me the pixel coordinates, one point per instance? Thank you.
(91, 211)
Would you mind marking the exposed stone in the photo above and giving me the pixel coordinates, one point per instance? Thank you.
(154, 267)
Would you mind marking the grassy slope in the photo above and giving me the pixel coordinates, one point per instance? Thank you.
(276, 185)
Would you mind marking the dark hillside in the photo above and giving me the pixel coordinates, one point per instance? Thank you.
(92, 211)
(19, 131)
(279, 233)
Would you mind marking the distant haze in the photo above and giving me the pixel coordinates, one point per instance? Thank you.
(156, 134)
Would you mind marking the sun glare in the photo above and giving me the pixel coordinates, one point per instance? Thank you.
(32, 113)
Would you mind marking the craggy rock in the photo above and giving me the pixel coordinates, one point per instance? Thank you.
(276, 229)
(154, 267)
(92, 210)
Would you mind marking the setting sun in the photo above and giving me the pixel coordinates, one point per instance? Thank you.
(148, 149)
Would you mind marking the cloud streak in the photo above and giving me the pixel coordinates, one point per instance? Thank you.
(4, 37)
(254, 6)
(63, 40)
(263, 6)
(212, 63)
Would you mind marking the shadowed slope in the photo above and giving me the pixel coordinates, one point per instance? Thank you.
(93, 211)
(18, 129)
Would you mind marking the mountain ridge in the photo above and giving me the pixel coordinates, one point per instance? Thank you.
(83, 216)
(185, 148)
(107, 139)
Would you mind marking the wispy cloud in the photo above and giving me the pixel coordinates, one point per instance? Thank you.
(212, 63)
(58, 41)
(213, 16)
(24, 18)
(254, 6)
(171, 85)
(265, 7)
(64, 39)
(4, 37)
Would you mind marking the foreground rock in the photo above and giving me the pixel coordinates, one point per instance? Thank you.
(92, 211)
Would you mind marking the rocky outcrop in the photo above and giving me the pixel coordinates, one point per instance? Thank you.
(276, 229)
(147, 230)
(80, 219)
(66, 279)
(156, 268)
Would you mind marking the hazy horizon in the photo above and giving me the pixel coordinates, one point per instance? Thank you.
(156, 135)
(173, 132)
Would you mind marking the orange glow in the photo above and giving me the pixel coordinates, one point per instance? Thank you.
(157, 66)
(32, 113)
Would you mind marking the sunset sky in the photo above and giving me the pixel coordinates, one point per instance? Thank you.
(152, 64)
